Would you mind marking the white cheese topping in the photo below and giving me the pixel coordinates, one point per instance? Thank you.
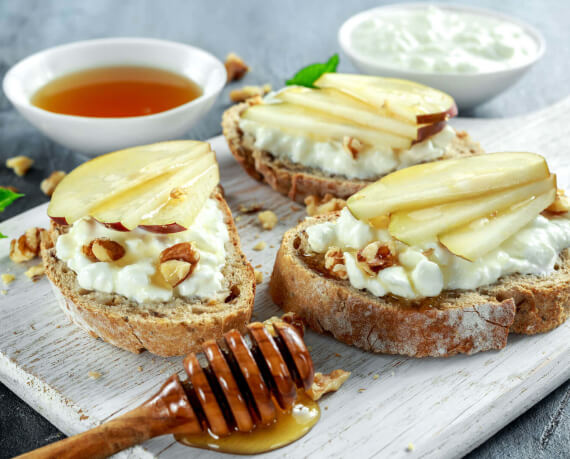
(132, 275)
(332, 158)
(533, 250)
(431, 39)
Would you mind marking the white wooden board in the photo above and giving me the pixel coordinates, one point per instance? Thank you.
(444, 407)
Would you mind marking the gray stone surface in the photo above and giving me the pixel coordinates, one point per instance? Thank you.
(275, 38)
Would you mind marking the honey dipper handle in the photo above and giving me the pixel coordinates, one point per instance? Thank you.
(168, 411)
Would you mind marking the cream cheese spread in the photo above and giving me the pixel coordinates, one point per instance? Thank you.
(430, 39)
(421, 272)
(132, 275)
(331, 157)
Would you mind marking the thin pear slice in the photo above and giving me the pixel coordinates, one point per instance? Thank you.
(444, 181)
(406, 100)
(319, 126)
(418, 226)
(348, 108)
(483, 235)
(110, 175)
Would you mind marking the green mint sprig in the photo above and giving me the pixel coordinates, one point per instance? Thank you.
(7, 197)
(308, 75)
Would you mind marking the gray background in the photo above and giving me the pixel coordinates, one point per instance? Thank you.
(275, 38)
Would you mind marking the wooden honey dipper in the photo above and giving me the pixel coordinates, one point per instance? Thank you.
(231, 386)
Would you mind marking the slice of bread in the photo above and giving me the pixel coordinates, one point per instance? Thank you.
(456, 321)
(296, 181)
(175, 327)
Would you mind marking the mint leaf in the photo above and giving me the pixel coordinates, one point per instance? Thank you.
(7, 197)
(308, 75)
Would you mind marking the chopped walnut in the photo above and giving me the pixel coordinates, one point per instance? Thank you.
(49, 184)
(352, 146)
(35, 272)
(103, 249)
(27, 246)
(377, 256)
(19, 164)
(561, 203)
(260, 246)
(268, 219)
(178, 262)
(247, 92)
(258, 276)
(236, 68)
(334, 263)
(323, 384)
(320, 206)
(7, 278)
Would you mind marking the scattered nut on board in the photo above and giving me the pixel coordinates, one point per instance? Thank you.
(323, 384)
(260, 246)
(8, 278)
(236, 68)
(250, 208)
(268, 219)
(50, 183)
(19, 164)
(258, 277)
(36, 272)
(27, 246)
(247, 92)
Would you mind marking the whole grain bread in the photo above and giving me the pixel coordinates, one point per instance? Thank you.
(296, 181)
(175, 327)
(456, 321)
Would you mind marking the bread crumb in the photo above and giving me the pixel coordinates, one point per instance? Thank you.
(375, 377)
(268, 219)
(258, 277)
(323, 384)
(8, 278)
(50, 183)
(410, 447)
(247, 92)
(236, 68)
(260, 246)
(94, 374)
(35, 272)
(139, 368)
(19, 164)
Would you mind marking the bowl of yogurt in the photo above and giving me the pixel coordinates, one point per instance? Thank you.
(472, 54)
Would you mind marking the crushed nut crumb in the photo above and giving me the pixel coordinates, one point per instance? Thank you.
(247, 92)
(8, 278)
(19, 164)
(50, 183)
(268, 219)
(260, 246)
(236, 68)
(320, 206)
(258, 277)
(323, 384)
(35, 272)
(139, 368)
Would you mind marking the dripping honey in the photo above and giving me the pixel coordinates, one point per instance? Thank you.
(287, 428)
(116, 92)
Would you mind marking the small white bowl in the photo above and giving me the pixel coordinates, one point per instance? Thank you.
(94, 136)
(468, 89)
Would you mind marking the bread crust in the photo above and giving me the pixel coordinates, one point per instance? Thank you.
(298, 182)
(455, 322)
(166, 329)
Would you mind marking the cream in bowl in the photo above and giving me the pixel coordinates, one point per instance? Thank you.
(472, 54)
(100, 95)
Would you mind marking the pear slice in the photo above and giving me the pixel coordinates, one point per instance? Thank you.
(320, 126)
(483, 235)
(419, 226)
(121, 188)
(405, 100)
(444, 181)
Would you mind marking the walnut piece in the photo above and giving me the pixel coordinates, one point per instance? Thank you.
(27, 246)
(561, 203)
(247, 92)
(258, 276)
(236, 68)
(323, 384)
(103, 249)
(178, 262)
(50, 183)
(320, 206)
(377, 256)
(35, 272)
(268, 219)
(19, 164)
(352, 146)
(334, 263)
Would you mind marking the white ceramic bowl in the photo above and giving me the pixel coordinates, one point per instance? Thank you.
(468, 90)
(101, 135)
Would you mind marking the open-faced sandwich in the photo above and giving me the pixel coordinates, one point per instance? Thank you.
(143, 251)
(437, 259)
(342, 133)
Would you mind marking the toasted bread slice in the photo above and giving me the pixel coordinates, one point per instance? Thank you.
(456, 321)
(169, 328)
(296, 181)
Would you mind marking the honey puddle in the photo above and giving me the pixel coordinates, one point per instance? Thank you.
(286, 429)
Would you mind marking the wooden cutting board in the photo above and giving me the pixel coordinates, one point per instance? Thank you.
(443, 407)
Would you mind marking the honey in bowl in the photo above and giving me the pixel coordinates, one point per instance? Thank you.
(116, 92)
